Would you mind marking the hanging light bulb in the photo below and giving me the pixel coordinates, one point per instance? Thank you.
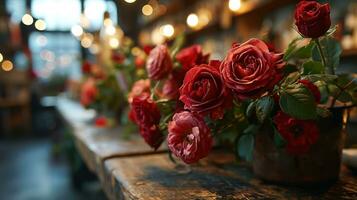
(234, 5)
(167, 30)
(27, 19)
(192, 20)
(7, 65)
(77, 30)
(130, 1)
(40, 25)
(147, 10)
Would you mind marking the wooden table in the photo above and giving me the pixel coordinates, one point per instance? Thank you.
(129, 169)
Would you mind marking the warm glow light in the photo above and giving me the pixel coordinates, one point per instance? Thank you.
(147, 10)
(94, 49)
(234, 5)
(130, 1)
(1, 57)
(87, 40)
(157, 37)
(27, 19)
(114, 43)
(7, 65)
(108, 22)
(77, 30)
(192, 20)
(40, 25)
(110, 30)
(167, 30)
(84, 21)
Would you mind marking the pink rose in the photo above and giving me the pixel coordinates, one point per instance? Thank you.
(159, 63)
(189, 137)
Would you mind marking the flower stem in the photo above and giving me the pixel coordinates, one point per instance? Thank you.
(323, 58)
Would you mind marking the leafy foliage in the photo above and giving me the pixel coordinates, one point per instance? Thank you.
(298, 49)
(297, 101)
(245, 146)
(264, 107)
(331, 49)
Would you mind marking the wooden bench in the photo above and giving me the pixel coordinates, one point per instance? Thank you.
(129, 169)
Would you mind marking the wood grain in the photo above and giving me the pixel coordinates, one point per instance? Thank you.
(98, 144)
(217, 177)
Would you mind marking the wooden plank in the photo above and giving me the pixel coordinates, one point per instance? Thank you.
(98, 144)
(216, 177)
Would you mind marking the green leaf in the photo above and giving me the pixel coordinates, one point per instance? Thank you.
(279, 141)
(331, 49)
(291, 78)
(299, 48)
(323, 112)
(251, 129)
(313, 67)
(327, 78)
(264, 107)
(250, 109)
(246, 146)
(297, 101)
(178, 43)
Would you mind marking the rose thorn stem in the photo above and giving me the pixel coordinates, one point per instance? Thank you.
(323, 58)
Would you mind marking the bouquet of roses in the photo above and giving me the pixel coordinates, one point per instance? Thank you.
(189, 99)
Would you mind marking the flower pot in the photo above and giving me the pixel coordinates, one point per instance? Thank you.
(321, 164)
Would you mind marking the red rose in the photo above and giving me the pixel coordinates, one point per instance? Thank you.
(86, 67)
(139, 87)
(147, 49)
(117, 57)
(139, 62)
(250, 69)
(204, 92)
(189, 137)
(299, 134)
(159, 63)
(312, 18)
(101, 121)
(313, 88)
(191, 56)
(170, 89)
(146, 115)
(88, 92)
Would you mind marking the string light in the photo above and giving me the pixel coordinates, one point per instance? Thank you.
(27, 19)
(147, 10)
(192, 20)
(1, 57)
(7, 65)
(110, 30)
(130, 1)
(114, 43)
(234, 5)
(87, 40)
(167, 30)
(77, 30)
(40, 25)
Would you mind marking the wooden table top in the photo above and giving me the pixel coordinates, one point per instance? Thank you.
(219, 176)
(129, 169)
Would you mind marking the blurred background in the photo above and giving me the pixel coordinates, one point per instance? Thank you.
(44, 43)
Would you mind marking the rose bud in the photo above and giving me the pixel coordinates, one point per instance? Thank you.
(299, 134)
(117, 57)
(191, 56)
(312, 18)
(251, 69)
(313, 89)
(145, 113)
(86, 67)
(138, 88)
(204, 92)
(101, 121)
(88, 92)
(159, 63)
(189, 137)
